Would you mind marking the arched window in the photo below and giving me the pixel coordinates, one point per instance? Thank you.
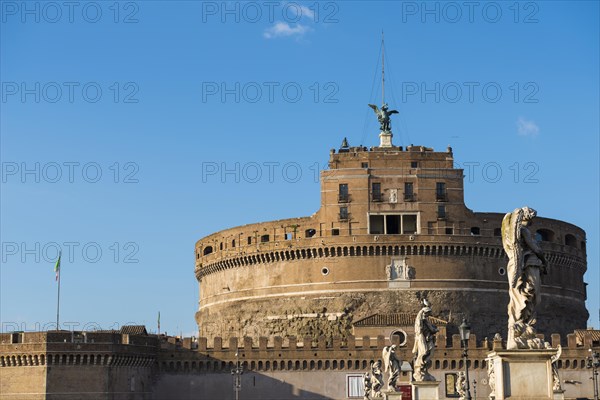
(207, 250)
(570, 240)
(310, 233)
(544, 235)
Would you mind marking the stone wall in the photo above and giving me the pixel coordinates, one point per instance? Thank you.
(277, 368)
(64, 365)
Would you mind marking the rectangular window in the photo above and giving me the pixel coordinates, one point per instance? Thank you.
(376, 191)
(440, 191)
(408, 191)
(392, 224)
(287, 236)
(343, 193)
(343, 213)
(264, 238)
(376, 224)
(449, 231)
(409, 224)
(414, 164)
(364, 165)
(249, 239)
(355, 386)
(335, 232)
(441, 212)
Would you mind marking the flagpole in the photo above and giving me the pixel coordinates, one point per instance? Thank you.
(58, 295)
(58, 303)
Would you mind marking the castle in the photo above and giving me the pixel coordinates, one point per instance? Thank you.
(304, 305)
(392, 228)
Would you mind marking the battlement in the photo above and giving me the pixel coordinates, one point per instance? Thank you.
(351, 354)
(411, 159)
(72, 348)
(580, 339)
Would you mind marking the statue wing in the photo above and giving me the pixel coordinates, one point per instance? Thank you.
(393, 112)
(510, 242)
(386, 358)
(374, 107)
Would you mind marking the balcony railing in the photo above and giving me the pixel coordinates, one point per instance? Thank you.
(409, 197)
(441, 196)
(377, 196)
(343, 198)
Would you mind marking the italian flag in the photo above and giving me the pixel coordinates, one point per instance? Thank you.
(57, 267)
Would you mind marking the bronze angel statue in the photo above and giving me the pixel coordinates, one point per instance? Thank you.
(525, 263)
(383, 116)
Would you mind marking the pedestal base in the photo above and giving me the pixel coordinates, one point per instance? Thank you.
(559, 395)
(522, 374)
(385, 139)
(392, 395)
(426, 390)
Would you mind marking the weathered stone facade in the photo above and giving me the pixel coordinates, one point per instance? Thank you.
(392, 228)
(96, 365)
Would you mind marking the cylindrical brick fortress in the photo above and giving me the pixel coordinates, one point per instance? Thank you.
(392, 228)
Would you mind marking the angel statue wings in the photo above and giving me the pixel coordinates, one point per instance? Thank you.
(391, 365)
(525, 263)
(383, 116)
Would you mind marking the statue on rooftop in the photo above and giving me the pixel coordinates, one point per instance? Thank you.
(424, 343)
(526, 262)
(391, 363)
(383, 116)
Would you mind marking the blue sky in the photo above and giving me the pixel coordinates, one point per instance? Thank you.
(147, 125)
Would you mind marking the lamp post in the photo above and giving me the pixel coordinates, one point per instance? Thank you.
(237, 376)
(465, 332)
(593, 362)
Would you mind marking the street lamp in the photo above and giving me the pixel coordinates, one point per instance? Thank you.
(465, 332)
(593, 362)
(237, 376)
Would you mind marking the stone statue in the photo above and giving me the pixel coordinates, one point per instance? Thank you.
(525, 263)
(391, 364)
(461, 385)
(424, 343)
(383, 116)
(491, 378)
(393, 196)
(400, 269)
(367, 386)
(556, 385)
(373, 381)
(388, 271)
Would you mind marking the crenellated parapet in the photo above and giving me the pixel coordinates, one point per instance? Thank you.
(62, 348)
(351, 354)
